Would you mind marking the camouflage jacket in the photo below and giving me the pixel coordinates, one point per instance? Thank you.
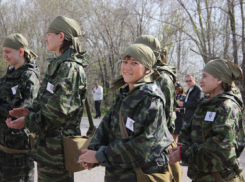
(166, 82)
(59, 104)
(147, 142)
(220, 118)
(17, 88)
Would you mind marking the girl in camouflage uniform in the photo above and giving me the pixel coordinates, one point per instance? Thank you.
(214, 139)
(58, 108)
(141, 104)
(18, 88)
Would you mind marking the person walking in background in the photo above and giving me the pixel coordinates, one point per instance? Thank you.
(213, 140)
(58, 109)
(180, 97)
(19, 87)
(98, 97)
(193, 95)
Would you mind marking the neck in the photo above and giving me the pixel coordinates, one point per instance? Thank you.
(20, 63)
(131, 86)
(216, 91)
(191, 87)
(58, 53)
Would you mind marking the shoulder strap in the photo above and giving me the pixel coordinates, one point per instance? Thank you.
(216, 175)
(13, 151)
(122, 125)
(124, 134)
(92, 128)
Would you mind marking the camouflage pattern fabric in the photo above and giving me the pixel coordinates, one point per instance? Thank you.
(166, 82)
(223, 131)
(25, 173)
(48, 174)
(146, 145)
(60, 103)
(17, 88)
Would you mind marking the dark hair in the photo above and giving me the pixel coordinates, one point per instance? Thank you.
(66, 45)
(226, 87)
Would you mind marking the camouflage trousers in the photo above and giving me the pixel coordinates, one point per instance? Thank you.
(176, 168)
(23, 173)
(51, 174)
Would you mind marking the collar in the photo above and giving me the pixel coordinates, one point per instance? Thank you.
(55, 62)
(136, 95)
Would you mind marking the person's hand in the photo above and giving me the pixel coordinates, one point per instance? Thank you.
(174, 155)
(180, 104)
(88, 156)
(177, 110)
(179, 144)
(88, 166)
(19, 112)
(93, 91)
(16, 124)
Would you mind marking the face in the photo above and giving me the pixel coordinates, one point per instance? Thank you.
(190, 81)
(177, 91)
(13, 57)
(96, 85)
(209, 83)
(53, 41)
(132, 70)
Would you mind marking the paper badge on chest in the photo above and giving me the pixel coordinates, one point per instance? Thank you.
(210, 116)
(14, 89)
(50, 87)
(130, 124)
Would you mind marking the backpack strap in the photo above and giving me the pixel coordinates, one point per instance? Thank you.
(92, 128)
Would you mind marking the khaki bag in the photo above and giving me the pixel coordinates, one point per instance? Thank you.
(142, 177)
(73, 145)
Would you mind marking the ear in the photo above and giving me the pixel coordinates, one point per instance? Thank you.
(147, 71)
(62, 36)
(21, 52)
(219, 82)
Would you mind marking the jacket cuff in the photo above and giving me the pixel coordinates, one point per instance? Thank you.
(101, 158)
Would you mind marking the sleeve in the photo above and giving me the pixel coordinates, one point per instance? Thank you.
(98, 91)
(101, 136)
(67, 99)
(25, 93)
(193, 103)
(168, 89)
(218, 150)
(145, 145)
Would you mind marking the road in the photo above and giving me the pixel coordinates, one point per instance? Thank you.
(97, 174)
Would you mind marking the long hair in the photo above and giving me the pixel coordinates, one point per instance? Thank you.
(181, 90)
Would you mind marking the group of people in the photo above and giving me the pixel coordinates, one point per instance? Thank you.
(186, 103)
(135, 139)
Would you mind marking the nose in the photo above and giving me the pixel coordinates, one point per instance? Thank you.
(127, 66)
(4, 55)
(201, 81)
(46, 39)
